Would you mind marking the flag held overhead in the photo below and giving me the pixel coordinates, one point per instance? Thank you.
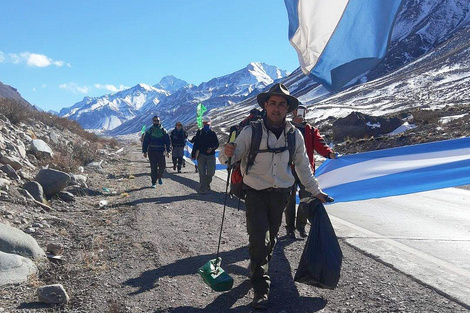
(336, 41)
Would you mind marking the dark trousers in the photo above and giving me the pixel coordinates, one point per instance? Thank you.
(301, 221)
(263, 218)
(157, 165)
(177, 157)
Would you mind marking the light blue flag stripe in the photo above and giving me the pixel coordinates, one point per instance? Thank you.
(189, 148)
(344, 40)
(397, 171)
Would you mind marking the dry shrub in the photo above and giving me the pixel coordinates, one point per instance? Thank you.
(65, 158)
(14, 111)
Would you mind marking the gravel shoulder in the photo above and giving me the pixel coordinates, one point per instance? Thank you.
(141, 253)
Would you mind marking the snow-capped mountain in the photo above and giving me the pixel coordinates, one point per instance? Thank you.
(172, 99)
(222, 91)
(109, 111)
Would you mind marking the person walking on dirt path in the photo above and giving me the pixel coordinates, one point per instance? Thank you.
(178, 138)
(269, 181)
(156, 142)
(205, 144)
(313, 142)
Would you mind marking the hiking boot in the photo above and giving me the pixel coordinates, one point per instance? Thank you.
(303, 233)
(290, 234)
(260, 302)
(160, 181)
(154, 186)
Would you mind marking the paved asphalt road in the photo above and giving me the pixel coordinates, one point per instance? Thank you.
(425, 235)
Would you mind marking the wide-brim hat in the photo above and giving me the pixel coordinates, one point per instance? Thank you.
(278, 90)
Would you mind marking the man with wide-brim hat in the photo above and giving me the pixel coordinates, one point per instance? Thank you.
(279, 90)
(269, 179)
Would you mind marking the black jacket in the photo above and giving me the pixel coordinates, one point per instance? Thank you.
(205, 140)
(178, 137)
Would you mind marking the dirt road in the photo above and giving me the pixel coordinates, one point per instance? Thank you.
(142, 252)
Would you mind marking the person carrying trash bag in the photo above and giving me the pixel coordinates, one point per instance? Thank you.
(268, 181)
(156, 141)
(320, 263)
(178, 138)
(205, 144)
(313, 142)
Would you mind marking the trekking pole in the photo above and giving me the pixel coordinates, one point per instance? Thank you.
(229, 170)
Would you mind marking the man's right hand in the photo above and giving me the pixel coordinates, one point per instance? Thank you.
(229, 149)
(145, 154)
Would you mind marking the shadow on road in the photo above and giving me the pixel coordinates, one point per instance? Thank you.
(189, 266)
(284, 296)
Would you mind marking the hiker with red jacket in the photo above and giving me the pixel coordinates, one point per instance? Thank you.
(313, 142)
(269, 180)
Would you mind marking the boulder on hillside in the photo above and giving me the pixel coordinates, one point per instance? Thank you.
(52, 181)
(15, 269)
(10, 171)
(13, 240)
(13, 161)
(41, 149)
(35, 189)
(53, 294)
(359, 125)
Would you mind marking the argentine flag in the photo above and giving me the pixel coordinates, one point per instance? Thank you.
(189, 148)
(397, 171)
(338, 40)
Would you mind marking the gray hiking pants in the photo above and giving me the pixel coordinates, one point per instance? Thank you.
(263, 218)
(206, 166)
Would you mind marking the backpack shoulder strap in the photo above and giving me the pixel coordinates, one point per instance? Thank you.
(256, 135)
(291, 144)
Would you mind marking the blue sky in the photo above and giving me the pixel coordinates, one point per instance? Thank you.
(56, 52)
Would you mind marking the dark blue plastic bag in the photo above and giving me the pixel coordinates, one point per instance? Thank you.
(320, 264)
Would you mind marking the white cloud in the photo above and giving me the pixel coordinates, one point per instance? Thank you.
(110, 87)
(31, 59)
(74, 87)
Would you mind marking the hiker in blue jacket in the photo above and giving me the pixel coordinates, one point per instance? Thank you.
(156, 142)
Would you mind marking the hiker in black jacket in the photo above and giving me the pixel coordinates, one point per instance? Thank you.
(156, 141)
(205, 144)
(178, 138)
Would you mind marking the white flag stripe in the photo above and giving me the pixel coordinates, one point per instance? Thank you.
(390, 165)
(317, 22)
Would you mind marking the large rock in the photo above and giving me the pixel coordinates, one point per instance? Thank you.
(13, 240)
(35, 189)
(53, 294)
(359, 125)
(40, 148)
(10, 171)
(52, 181)
(15, 269)
(13, 161)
